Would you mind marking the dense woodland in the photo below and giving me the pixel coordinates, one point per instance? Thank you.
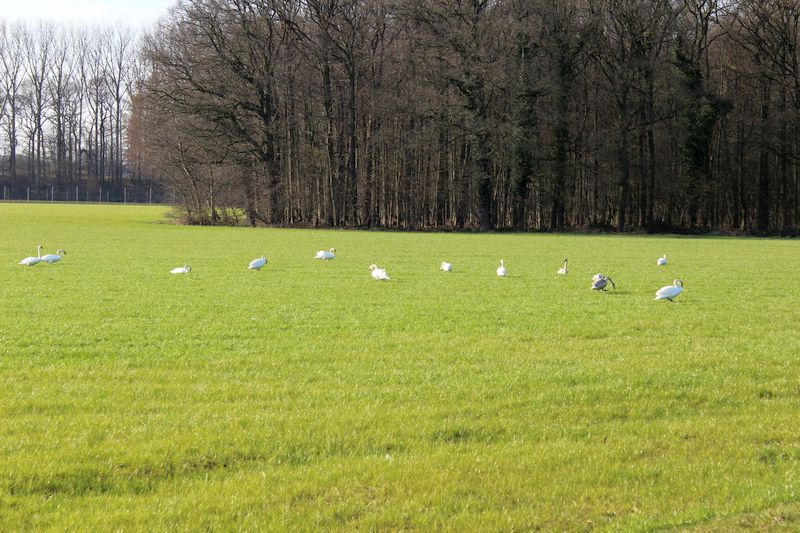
(657, 115)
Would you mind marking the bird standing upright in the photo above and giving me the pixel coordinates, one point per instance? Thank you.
(502, 271)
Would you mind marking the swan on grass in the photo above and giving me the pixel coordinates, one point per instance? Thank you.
(379, 273)
(54, 258)
(322, 254)
(257, 264)
(502, 271)
(662, 260)
(601, 281)
(30, 261)
(185, 269)
(446, 267)
(670, 292)
(563, 270)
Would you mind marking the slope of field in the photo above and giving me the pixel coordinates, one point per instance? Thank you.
(308, 395)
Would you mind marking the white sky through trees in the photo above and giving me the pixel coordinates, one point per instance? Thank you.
(134, 13)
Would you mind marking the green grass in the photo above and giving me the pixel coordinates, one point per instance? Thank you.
(309, 396)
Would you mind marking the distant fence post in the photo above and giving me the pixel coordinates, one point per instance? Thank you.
(29, 193)
(52, 194)
(101, 196)
(76, 194)
(4, 193)
(124, 195)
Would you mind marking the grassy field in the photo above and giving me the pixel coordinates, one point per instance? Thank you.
(309, 396)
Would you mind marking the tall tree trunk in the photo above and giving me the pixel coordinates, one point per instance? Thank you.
(352, 192)
(784, 159)
(557, 211)
(332, 173)
(483, 166)
(763, 204)
(623, 186)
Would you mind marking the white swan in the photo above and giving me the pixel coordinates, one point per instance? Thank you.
(446, 267)
(322, 254)
(670, 292)
(185, 269)
(563, 270)
(601, 281)
(378, 273)
(256, 264)
(30, 261)
(502, 270)
(662, 260)
(54, 258)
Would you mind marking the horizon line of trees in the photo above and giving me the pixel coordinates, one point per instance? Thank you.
(64, 112)
(524, 114)
(443, 114)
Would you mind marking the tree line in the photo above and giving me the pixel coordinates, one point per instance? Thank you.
(656, 115)
(64, 110)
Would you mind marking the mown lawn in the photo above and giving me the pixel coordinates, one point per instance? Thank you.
(309, 396)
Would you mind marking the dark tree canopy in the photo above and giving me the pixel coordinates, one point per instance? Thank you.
(446, 114)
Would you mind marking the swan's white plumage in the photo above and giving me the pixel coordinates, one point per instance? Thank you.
(601, 281)
(54, 258)
(185, 269)
(379, 273)
(563, 270)
(502, 271)
(30, 261)
(446, 267)
(322, 254)
(257, 264)
(670, 292)
(662, 260)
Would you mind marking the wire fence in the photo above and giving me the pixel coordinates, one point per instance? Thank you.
(146, 194)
